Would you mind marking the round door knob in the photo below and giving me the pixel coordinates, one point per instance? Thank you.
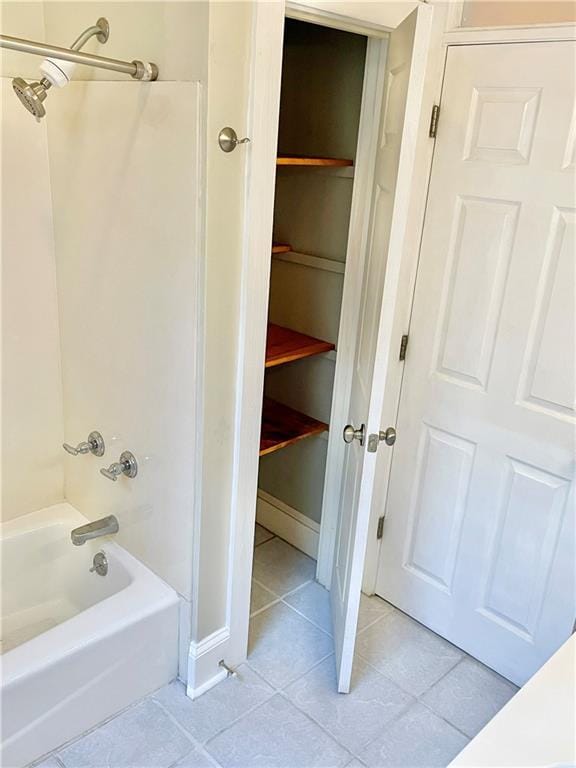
(388, 436)
(350, 434)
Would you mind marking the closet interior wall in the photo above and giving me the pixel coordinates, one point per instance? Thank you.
(322, 79)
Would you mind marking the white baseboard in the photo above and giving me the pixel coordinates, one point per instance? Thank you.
(204, 670)
(286, 522)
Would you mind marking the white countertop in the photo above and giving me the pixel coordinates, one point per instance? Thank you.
(538, 726)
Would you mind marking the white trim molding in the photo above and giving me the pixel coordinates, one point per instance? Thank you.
(535, 34)
(288, 523)
(266, 74)
(204, 670)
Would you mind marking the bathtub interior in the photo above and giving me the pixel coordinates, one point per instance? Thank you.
(46, 580)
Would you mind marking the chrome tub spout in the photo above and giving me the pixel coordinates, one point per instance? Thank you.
(102, 527)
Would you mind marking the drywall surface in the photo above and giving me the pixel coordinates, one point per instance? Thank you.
(479, 13)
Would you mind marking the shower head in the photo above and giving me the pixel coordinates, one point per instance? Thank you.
(32, 95)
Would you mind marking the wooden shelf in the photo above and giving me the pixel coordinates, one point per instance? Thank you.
(283, 426)
(281, 248)
(284, 345)
(312, 161)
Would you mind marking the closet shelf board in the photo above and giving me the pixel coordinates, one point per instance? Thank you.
(281, 248)
(283, 426)
(284, 345)
(312, 161)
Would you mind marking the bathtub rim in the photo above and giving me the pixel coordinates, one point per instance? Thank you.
(146, 594)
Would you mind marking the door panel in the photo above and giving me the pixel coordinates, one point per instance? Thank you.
(547, 378)
(479, 531)
(402, 94)
(478, 260)
(443, 478)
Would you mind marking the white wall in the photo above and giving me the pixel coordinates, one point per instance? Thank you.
(480, 13)
(126, 164)
(172, 33)
(32, 458)
(230, 29)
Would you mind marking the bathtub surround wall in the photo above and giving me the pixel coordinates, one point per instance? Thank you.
(126, 164)
(32, 431)
(124, 161)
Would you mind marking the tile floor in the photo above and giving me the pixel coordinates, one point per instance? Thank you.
(416, 699)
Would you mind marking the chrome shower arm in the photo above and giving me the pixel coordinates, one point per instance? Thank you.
(137, 69)
(101, 30)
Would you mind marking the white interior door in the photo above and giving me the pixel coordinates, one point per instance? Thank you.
(394, 164)
(478, 537)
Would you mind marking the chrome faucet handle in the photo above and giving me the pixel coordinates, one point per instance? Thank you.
(126, 466)
(94, 445)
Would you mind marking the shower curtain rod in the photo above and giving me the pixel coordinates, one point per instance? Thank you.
(139, 70)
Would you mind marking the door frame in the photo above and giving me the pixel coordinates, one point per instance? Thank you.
(267, 44)
(445, 33)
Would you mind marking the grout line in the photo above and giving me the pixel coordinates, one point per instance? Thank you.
(319, 725)
(307, 618)
(266, 588)
(192, 739)
(452, 668)
(398, 716)
(202, 751)
(282, 599)
(247, 711)
(265, 607)
(356, 753)
(43, 758)
(417, 699)
(275, 688)
(381, 672)
(376, 620)
(298, 588)
(441, 717)
(284, 594)
(56, 752)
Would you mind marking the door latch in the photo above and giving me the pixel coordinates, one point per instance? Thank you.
(350, 434)
(387, 436)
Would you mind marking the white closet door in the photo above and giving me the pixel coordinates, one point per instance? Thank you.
(479, 530)
(395, 159)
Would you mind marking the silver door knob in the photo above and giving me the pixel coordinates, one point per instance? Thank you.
(388, 436)
(228, 139)
(350, 434)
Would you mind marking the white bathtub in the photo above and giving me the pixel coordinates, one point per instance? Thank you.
(77, 647)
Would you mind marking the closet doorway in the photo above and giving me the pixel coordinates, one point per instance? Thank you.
(350, 101)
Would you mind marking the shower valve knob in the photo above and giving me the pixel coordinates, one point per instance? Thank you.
(94, 445)
(126, 466)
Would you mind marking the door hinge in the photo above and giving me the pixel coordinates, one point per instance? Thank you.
(434, 121)
(380, 529)
(403, 345)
